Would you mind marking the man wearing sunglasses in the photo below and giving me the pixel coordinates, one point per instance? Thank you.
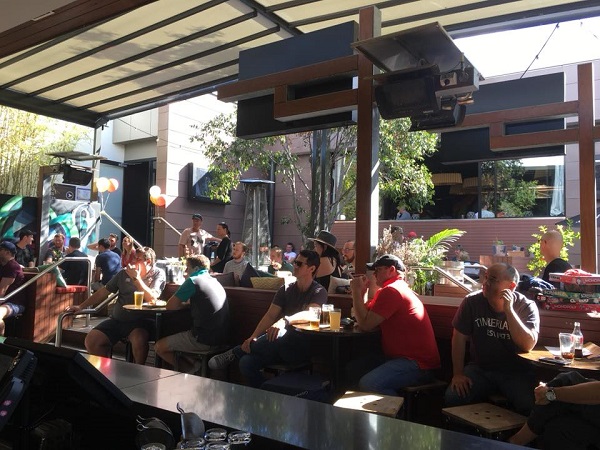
(274, 340)
(409, 352)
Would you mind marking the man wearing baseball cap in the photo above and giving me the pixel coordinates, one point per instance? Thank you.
(11, 277)
(192, 239)
(409, 352)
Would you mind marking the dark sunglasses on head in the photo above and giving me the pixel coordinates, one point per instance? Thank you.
(298, 263)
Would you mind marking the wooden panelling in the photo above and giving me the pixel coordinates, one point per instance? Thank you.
(478, 239)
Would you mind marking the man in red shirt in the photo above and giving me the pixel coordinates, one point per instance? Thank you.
(409, 351)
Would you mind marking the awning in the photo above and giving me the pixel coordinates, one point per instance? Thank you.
(88, 62)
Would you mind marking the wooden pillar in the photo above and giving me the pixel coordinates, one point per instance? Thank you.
(587, 172)
(367, 191)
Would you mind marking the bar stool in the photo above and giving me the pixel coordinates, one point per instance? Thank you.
(385, 405)
(411, 393)
(203, 356)
(487, 420)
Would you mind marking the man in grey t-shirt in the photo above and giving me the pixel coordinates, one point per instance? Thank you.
(142, 276)
(274, 340)
(499, 323)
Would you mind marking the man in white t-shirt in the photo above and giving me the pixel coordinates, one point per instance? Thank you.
(192, 239)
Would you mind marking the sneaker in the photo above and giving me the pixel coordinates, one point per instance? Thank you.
(221, 361)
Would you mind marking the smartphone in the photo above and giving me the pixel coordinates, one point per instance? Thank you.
(558, 361)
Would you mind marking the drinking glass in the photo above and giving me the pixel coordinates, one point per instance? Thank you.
(335, 317)
(239, 437)
(567, 346)
(138, 299)
(314, 317)
(325, 314)
(215, 434)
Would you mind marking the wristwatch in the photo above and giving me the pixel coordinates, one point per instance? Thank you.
(550, 395)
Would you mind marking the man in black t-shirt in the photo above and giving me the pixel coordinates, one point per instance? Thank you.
(75, 272)
(551, 245)
(25, 255)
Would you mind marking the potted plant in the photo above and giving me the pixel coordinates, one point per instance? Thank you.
(419, 253)
(499, 249)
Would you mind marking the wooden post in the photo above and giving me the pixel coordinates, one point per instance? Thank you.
(367, 191)
(587, 168)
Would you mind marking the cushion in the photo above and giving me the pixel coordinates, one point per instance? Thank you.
(269, 283)
(334, 283)
(60, 281)
(226, 279)
(249, 272)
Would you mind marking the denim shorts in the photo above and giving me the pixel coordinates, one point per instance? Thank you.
(14, 309)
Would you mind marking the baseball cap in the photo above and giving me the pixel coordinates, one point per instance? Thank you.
(8, 246)
(197, 216)
(25, 232)
(387, 261)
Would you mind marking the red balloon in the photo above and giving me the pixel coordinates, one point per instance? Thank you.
(161, 200)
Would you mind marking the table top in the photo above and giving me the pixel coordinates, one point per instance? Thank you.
(342, 332)
(577, 364)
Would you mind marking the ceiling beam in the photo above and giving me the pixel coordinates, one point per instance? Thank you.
(63, 20)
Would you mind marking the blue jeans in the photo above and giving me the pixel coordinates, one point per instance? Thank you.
(516, 386)
(386, 376)
(289, 347)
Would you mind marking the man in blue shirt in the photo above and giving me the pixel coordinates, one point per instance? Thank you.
(207, 300)
(108, 263)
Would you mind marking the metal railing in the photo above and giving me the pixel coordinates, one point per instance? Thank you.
(162, 219)
(88, 312)
(47, 269)
(451, 278)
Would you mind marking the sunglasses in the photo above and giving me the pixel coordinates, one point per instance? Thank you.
(299, 263)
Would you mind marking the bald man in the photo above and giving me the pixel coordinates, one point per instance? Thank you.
(551, 244)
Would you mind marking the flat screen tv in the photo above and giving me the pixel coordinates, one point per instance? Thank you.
(16, 370)
(198, 184)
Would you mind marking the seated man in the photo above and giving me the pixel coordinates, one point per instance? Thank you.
(210, 314)
(499, 323)
(143, 276)
(277, 262)
(25, 254)
(551, 244)
(11, 277)
(409, 351)
(108, 264)
(566, 415)
(274, 340)
(75, 272)
(56, 250)
(348, 259)
(238, 263)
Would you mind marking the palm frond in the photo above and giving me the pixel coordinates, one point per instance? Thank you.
(444, 238)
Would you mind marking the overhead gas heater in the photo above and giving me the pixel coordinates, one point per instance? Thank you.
(425, 77)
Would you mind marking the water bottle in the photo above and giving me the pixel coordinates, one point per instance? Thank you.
(578, 338)
(212, 256)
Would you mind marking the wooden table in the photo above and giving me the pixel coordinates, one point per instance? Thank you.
(166, 321)
(591, 366)
(335, 336)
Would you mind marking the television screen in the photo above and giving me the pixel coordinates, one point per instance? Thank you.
(198, 184)
(16, 369)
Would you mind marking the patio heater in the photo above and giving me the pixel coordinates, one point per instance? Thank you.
(256, 221)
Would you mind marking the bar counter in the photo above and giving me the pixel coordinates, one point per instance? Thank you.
(280, 418)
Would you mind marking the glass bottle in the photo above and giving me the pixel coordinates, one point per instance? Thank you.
(578, 338)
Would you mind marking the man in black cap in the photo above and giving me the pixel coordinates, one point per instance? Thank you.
(25, 255)
(409, 350)
(192, 239)
(11, 277)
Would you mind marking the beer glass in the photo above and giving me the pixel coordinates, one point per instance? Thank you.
(138, 299)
